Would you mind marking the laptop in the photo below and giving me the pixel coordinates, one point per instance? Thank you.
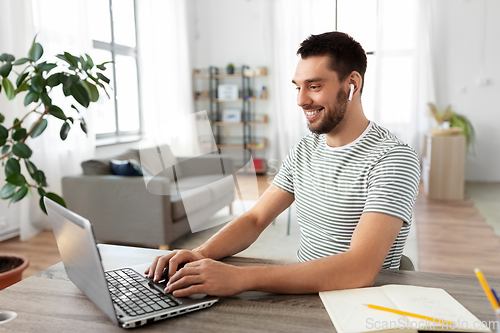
(125, 295)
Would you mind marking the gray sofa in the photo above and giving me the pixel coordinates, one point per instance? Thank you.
(123, 211)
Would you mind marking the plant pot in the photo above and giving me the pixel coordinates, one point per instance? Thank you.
(230, 70)
(11, 269)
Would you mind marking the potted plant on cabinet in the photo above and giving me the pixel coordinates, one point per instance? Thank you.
(450, 122)
(230, 68)
(79, 79)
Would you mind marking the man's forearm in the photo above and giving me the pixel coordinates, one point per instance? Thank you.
(235, 237)
(340, 271)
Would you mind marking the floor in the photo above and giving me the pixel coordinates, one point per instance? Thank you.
(452, 237)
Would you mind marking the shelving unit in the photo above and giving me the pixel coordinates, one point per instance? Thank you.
(246, 138)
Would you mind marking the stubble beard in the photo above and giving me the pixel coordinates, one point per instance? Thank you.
(332, 118)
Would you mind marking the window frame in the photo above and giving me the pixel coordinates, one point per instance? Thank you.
(128, 51)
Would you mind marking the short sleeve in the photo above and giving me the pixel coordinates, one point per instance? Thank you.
(284, 178)
(393, 184)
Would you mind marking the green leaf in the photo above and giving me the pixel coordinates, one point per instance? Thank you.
(5, 149)
(54, 80)
(83, 125)
(57, 112)
(7, 57)
(46, 100)
(32, 169)
(102, 77)
(36, 51)
(21, 79)
(101, 67)
(80, 94)
(42, 125)
(22, 150)
(20, 61)
(41, 191)
(40, 178)
(21, 193)
(37, 82)
(64, 131)
(4, 134)
(12, 167)
(71, 59)
(41, 203)
(67, 83)
(46, 67)
(74, 107)
(71, 119)
(31, 97)
(89, 60)
(9, 88)
(16, 179)
(16, 121)
(5, 69)
(2, 118)
(19, 134)
(56, 198)
(92, 90)
(7, 191)
(23, 87)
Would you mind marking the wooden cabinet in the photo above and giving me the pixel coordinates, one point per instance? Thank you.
(444, 166)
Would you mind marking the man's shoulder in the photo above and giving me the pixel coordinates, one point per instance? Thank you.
(386, 142)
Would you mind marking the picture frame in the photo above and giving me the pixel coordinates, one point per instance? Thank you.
(231, 116)
(227, 92)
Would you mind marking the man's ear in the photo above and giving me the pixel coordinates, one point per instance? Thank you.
(355, 79)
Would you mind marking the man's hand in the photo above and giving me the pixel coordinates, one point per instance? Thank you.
(172, 260)
(209, 277)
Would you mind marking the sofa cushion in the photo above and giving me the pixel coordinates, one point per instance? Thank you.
(103, 166)
(191, 199)
(126, 168)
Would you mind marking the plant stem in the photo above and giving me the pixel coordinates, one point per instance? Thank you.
(27, 114)
(36, 123)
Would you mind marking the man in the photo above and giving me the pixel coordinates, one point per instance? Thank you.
(354, 184)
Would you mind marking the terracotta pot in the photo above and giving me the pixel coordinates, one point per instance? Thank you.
(15, 265)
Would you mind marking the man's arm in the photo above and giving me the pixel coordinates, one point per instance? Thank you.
(357, 267)
(235, 237)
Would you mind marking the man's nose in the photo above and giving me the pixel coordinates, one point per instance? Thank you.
(303, 98)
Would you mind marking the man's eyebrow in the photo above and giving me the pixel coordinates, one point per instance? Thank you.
(314, 79)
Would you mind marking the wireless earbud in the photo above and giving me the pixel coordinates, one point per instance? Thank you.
(351, 91)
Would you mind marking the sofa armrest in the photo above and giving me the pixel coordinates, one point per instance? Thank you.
(209, 164)
(120, 207)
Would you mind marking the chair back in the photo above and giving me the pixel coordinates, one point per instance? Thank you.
(406, 264)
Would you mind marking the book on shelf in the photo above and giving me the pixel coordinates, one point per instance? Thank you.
(349, 312)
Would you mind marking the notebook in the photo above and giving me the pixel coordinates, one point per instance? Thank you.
(125, 295)
(349, 313)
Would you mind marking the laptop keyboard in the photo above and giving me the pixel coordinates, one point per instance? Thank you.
(128, 292)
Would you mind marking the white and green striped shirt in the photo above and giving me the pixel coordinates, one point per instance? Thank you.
(333, 187)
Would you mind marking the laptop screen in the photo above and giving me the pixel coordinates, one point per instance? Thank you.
(80, 255)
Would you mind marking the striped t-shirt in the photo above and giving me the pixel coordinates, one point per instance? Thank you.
(333, 187)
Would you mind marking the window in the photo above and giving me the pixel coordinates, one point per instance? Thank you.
(386, 30)
(113, 31)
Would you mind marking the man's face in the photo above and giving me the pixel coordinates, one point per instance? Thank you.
(320, 94)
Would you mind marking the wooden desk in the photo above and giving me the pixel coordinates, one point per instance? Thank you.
(49, 302)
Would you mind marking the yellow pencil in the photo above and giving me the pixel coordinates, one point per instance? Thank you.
(487, 289)
(409, 314)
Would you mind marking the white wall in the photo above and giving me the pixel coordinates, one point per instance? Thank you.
(467, 50)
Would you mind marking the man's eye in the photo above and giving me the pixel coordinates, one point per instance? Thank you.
(297, 88)
(314, 87)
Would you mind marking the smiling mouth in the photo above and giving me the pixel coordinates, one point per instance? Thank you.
(313, 114)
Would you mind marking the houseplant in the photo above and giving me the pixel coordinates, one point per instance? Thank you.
(230, 68)
(450, 121)
(79, 79)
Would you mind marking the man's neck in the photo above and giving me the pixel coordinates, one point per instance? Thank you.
(349, 129)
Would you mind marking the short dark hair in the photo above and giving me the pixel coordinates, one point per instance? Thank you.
(346, 54)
